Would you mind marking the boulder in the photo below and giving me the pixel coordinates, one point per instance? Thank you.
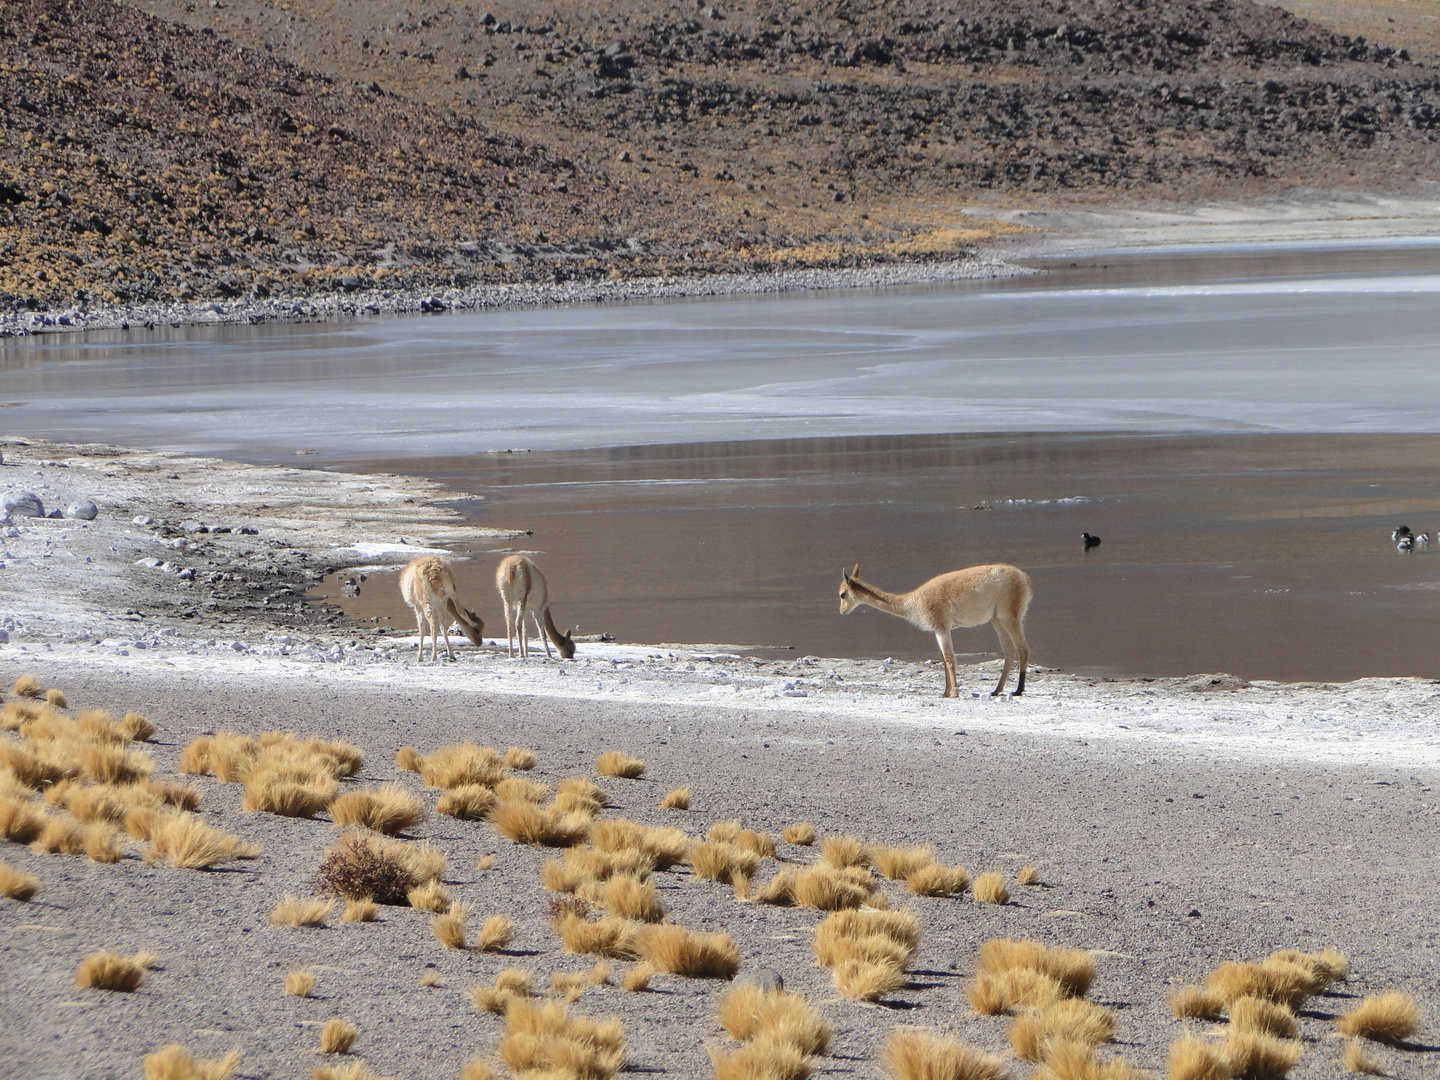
(22, 504)
(765, 978)
(84, 510)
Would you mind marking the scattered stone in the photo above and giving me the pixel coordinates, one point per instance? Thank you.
(84, 510)
(142, 520)
(765, 978)
(22, 504)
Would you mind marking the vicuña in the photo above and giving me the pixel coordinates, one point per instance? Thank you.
(522, 588)
(428, 587)
(997, 594)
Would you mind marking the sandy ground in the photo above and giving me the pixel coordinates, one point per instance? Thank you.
(1176, 823)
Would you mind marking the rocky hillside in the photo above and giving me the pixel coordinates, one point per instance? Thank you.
(256, 146)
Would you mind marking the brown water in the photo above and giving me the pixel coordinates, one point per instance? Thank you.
(1263, 555)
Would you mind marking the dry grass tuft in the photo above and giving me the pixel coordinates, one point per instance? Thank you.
(761, 1058)
(21, 821)
(408, 759)
(583, 788)
(268, 793)
(468, 802)
(722, 862)
(1072, 1020)
(293, 911)
(899, 863)
(111, 971)
(387, 809)
(495, 934)
(187, 843)
(722, 832)
(825, 888)
(61, 836)
(1254, 1056)
(630, 898)
(664, 847)
(16, 884)
(300, 984)
(890, 936)
(430, 980)
(779, 891)
(430, 896)
(844, 851)
(485, 862)
(757, 843)
(1357, 1060)
(1257, 1014)
(102, 843)
(174, 1062)
(867, 980)
(1077, 1061)
(801, 833)
(936, 880)
(750, 1012)
(518, 789)
(364, 866)
(1391, 1017)
(359, 911)
(520, 759)
(544, 1040)
(1018, 988)
(28, 686)
(1028, 875)
(478, 1069)
(1196, 1003)
(449, 928)
(1328, 966)
(678, 951)
(989, 888)
(916, 1054)
(637, 978)
(1192, 1058)
(56, 697)
(452, 766)
(356, 1070)
(1073, 969)
(618, 763)
(677, 799)
(526, 823)
(337, 1036)
(510, 985)
(570, 985)
(611, 936)
(135, 728)
(1282, 982)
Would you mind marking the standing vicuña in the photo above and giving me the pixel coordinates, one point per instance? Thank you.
(997, 594)
(429, 588)
(522, 588)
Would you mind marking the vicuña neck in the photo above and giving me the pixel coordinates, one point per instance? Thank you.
(878, 598)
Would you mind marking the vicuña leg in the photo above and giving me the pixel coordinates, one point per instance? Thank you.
(947, 651)
(420, 630)
(1007, 647)
(540, 633)
(444, 626)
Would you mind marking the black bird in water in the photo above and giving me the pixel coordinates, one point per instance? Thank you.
(1401, 531)
(1090, 541)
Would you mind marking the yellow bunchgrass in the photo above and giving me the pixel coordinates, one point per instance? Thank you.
(16, 884)
(429, 896)
(989, 888)
(359, 911)
(1196, 1003)
(512, 984)
(1283, 982)
(56, 697)
(620, 764)
(1391, 1017)
(111, 971)
(600, 972)
(916, 1054)
(995, 994)
(102, 843)
(187, 843)
(570, 985)
(452, 766)
(136, 727)
(526, 823)
(899, 863)
(300, 983)
(28, 686)
(801, 833)
(722, 832)
(292, 910)
(1073, 969)
(844, 851)
(495, 934)
(468, 802)
(629, 897)
(722, 862)
(485, 862)
(1073, 1020)
(1192, 1058)
(21, 821)
(356, 1070)
(387, 809)
(429, 979)
(583, 789)
(1027, 875)
(337, 1036)
(35, 767)
(678, 951)
(609, 936)
(1255, 1056)
(520, 759)
(544, 1040)
(676, 799)
(825, 888)
(757, 843)
(1077, 1061)
(266, 792)
(1328, 966)
(518, 789)
(664, 847)
(61, 836)
(478, 1069)
(1357, 1060)
(889, 936)
(637, 977)
(449, 928)
(1257, 1014)
(174, 1062)
(760, 1058)
(779, 891)
(936, 880)
(751, 1012)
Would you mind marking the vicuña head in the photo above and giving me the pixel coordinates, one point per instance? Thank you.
(849, 601)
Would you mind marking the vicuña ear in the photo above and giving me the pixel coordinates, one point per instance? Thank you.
(855, 572)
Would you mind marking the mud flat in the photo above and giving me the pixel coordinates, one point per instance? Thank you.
(1176, 824)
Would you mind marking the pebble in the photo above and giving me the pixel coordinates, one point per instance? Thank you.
(84, 510)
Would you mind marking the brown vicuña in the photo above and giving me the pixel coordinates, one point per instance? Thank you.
(995, 593)
(428, 587)
(522, 588)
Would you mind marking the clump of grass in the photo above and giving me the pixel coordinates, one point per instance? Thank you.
(844, 851)
(1192, 1058)
(187, 843)
(111, 971)
(722, 832)
(894, 935)
(1028, 875)
(1072, 1020)
(638, 977)
(936, 880)
(268, 793)
(518, 789)
(916, 1054)
(512, 984)
(452, 766)
(1328, 966)
(1077, 1061)
(468, 802)
(526, 823)
(1357, 1060)
(760, 1058)
(679, 951)
(630, 897)
(545, 1040)
(757, 843)
(359, 911)
(620, 764)
(174, 1062)
(676, 799)
(1196, 1003)
(989, 888)
(227, 756)
(101, 843)
(802, 833)
(56, 697)
(364, 866)
(61, 836)
(751, 1012)
(477, 1069)
(429, 980)
(722, 862)
(610, 936)
(1391, 1017)
(294, 911)
(21, 821)
(16, 884)
(583, 789)
(998, 993)
(387, 809)
(337, 1036)
(449, 928)
(1283, 982)
(1255, 1056)
(495, 934)
(430, 896)
(356, 1070)
(28, 686)
(825, 888)
(779, 891)
(300, 983)
(899, 863)
(569, 985)
(1257, 1014)
(599, 973)
(664, 847)
(1073, 969)
(485, 862)
(520, 759)
(135, 727)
